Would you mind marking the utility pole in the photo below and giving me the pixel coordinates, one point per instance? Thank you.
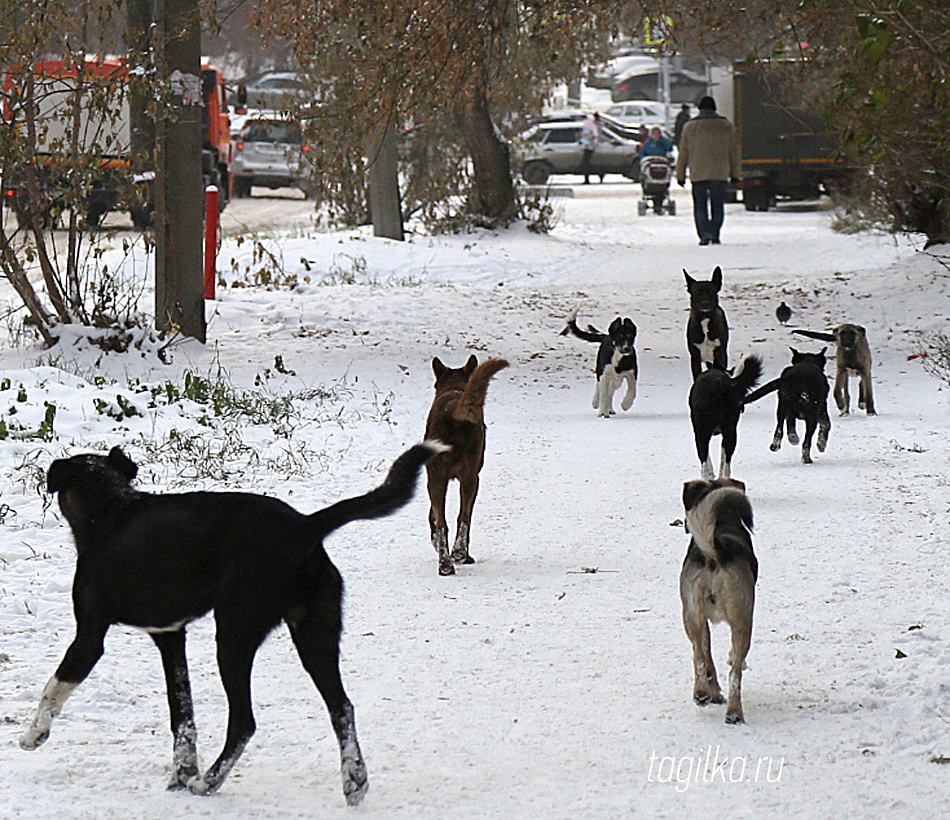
(179, 194)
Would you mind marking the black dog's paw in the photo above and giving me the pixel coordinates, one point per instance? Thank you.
(446, 569)
(180, 779)
(355, 782)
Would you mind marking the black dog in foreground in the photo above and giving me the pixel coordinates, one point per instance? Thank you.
(802, 394)
(716, 400)
(616, 361)
(707, 332)
(717, 583)
(159, 561)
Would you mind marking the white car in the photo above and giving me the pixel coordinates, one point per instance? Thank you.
(555, 148)
(639, 112)
(269, 152)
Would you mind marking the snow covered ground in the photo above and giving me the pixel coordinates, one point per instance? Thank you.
(551, 679)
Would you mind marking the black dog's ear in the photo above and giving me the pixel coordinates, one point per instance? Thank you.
(615, 325)
(123, 463)
(717, 277)
(629, 323)
(694, 492)
(689, 279)
(59, 475)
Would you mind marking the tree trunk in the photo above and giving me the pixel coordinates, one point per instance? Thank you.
(494, 193)
(384, 187)
(179, 218)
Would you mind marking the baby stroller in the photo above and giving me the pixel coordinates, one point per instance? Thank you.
(656, 173)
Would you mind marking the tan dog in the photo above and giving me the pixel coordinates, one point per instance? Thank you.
(717, 583)
(457, 419)
(852, 359)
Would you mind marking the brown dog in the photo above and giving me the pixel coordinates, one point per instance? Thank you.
(853, 358)
(457, 419)
(717, 583)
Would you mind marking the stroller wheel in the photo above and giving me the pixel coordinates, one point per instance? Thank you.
(641, 207)
(671, 208)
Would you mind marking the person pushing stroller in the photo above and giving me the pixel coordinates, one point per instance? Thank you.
(656, 173)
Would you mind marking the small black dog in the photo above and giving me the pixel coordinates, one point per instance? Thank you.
(717, 583)
(707, 332)
(616, 361)
(715, 404)
(158, 562)
(852, 358)
(802, 394)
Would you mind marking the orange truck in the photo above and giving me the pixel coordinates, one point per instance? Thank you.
(92, 141)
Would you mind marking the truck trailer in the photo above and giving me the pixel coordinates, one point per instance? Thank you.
(786, 150)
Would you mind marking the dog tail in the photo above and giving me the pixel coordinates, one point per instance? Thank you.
(764, 390)
(592, 334)
(816, 334)
(472, 400)
(395, 492)
(747, 373)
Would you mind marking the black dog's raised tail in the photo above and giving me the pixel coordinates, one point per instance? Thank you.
(592, 334)
(764, 390)
(748, 373)
(816, 334)
(393, 493)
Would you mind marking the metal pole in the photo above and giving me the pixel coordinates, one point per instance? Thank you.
(211, 240)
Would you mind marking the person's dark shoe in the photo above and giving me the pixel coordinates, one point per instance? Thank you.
(705, 240)
(715, 240)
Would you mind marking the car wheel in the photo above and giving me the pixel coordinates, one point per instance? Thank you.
(536, 173)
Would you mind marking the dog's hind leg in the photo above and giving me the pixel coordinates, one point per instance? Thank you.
(729, 439)
(705, 683)
(810, 425)
(438, 526)
(741, 641)
(316, 634)
(180, 707)
(81, 656)
(240, 631)
(468, 490)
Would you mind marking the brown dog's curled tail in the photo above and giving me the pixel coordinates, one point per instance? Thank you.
(395, 491)
(472, 400)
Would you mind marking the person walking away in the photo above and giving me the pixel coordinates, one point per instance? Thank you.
(709, 151)
(591, 132)
(681, 119)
